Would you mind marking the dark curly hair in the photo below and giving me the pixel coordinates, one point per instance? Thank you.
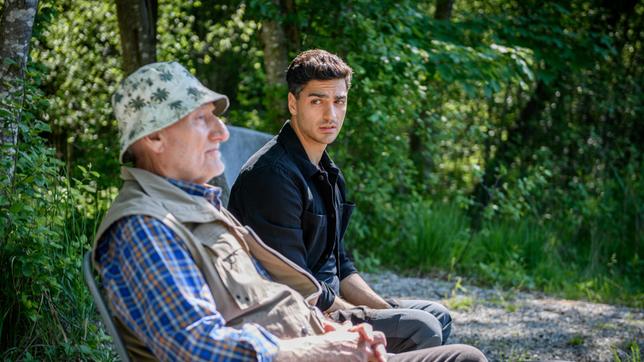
(316, 64)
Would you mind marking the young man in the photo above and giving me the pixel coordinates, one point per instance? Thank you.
(185, 281)
(293, 196)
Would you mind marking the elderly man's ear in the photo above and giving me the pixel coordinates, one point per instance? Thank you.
(154, 142)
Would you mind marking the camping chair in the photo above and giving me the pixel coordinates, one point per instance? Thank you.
(99, 301)
(242, 144)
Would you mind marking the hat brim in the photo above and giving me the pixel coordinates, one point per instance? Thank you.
(221, 103)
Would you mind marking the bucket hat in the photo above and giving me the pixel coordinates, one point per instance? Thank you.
(156, 96)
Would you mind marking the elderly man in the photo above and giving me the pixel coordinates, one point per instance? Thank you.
(186, 281)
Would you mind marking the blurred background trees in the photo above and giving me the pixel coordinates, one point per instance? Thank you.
(500, 140)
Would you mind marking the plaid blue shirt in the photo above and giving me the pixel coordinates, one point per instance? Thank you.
(159, 293)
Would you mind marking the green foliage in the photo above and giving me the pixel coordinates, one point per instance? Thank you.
(78, 44)
(45, 225)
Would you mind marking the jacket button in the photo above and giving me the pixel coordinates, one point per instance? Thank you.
(321, 177)
(238, 296)
(333, 216)
(304, 331)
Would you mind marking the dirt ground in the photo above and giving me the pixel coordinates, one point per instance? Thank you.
(519, 326)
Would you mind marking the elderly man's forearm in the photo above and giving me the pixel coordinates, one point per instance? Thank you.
(207, 341)
(340, 345)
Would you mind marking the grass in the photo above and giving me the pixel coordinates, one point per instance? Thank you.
(576, 340)
(519, 255)
(503, 297)
(463, 303)
(633, 354)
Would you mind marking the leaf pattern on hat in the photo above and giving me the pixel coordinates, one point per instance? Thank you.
(137, 103)
(136, 131)
(131, 134)
(134, 85)
(176, 105)
(195, 93)
(165, 76)
(160, 95)
(118, 97)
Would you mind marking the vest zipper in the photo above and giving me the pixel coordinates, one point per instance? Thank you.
(290, 263)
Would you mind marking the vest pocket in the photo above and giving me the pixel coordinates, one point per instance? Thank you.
(245, 285)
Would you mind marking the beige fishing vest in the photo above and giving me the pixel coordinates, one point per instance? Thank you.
(221, 248)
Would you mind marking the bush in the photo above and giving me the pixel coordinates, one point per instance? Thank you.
(46, 223)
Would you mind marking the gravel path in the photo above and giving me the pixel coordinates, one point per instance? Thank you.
(518, 326)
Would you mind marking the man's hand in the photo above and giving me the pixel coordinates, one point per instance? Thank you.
(339, 304)
(340, 343)
(375, 339)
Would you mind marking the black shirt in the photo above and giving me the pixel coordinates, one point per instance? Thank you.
(297, 208)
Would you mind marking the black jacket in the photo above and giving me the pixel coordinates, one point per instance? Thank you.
(297, 209)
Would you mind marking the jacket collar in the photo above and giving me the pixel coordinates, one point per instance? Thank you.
(211, 193)
(288, 138)
(182, 205)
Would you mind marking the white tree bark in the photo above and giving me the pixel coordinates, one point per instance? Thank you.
(16, 24)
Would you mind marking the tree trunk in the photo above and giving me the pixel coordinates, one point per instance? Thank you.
(275, 52)
(291, 28)
(443, 9)
(137, 25)
(275, 63)
(16, 25)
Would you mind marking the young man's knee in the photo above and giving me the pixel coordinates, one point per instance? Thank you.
(427, 330)
(440, 312)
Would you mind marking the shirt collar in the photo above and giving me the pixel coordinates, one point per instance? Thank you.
(288, 138)
(211, 193)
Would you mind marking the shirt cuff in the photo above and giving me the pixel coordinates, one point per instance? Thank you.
(347, 268)
(326, 298)
(261, 341)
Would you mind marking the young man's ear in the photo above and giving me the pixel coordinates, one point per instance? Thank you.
(292, 104)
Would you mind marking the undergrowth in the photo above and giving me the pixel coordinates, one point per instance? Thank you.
(524, 254)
